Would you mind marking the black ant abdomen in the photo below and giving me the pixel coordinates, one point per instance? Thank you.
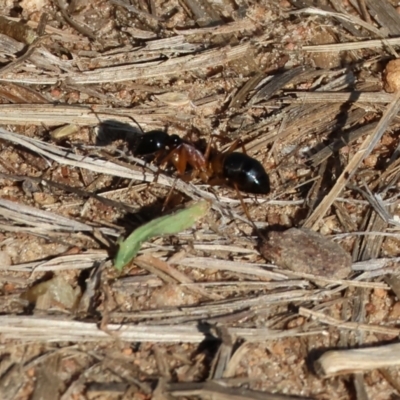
(246, 173)
(151, 142)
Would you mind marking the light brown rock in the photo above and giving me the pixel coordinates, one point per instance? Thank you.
(391, 76)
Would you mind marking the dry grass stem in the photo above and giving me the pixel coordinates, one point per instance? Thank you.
(338, 97)
(321, 317)
(152, 69)
(53, 330)
(43, 221)
(386, 15)
(338, 362)
(51, 115)
(377, 263)
(345, 17)
(60, 263)
(316, 278)
(364, 150)
(218, 391)
(207, 310)
(364, 44)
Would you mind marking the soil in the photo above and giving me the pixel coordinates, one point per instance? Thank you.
(201, 313)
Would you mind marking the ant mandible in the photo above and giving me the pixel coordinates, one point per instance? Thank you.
(238, 169)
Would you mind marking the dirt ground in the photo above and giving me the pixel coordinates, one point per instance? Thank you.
(219, 310)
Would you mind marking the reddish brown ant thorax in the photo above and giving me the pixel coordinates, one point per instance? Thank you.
(217, 164)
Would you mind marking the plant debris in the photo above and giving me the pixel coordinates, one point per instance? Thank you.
(55, 292)
(200, 313)
(305, 251)
(166, 225)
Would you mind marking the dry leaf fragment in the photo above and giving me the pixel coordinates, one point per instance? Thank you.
(306, 251)
(174, 99)
(64, 131)
(17, 30)
(55, 292)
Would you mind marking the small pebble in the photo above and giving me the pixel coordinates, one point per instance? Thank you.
(395, 311)
(5, 260)
(391, 76)
(44, 199)
(305, 251)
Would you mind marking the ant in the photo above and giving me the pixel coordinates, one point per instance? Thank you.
(238, 169)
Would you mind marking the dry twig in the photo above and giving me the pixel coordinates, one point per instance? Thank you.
(61, 330)
(350, 361)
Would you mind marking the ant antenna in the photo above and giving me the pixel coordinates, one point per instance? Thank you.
(96, 113)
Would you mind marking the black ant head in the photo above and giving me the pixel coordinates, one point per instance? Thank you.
(174, 141)
(151, 142)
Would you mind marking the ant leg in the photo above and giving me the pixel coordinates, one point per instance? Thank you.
(241, 144)
(178, 158)
(203, 176)
(181, 162)
(159, 169)
(208, 149)
(159, 155)
(168, 198)
(189, 136)
(236, 143)
(209, 146)
(217, 181)
(156, 175)
(246, 211)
